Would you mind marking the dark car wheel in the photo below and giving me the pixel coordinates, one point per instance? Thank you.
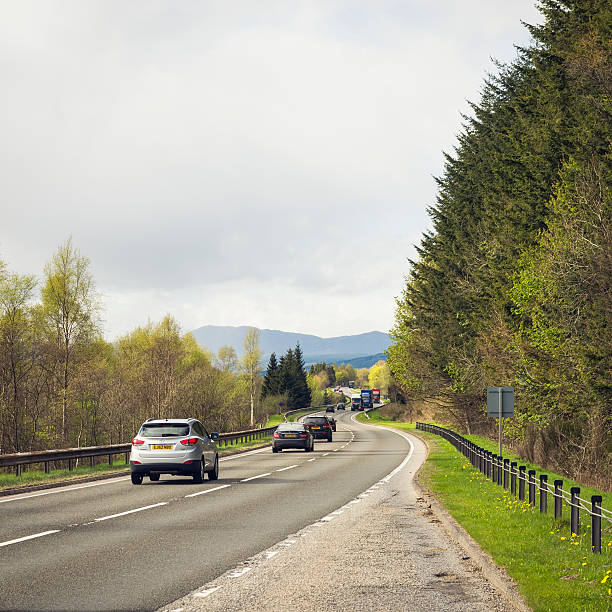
(274, 450)
(214, 473)
(198, 477)
(136, 478)
(154, 477)
(329, 439)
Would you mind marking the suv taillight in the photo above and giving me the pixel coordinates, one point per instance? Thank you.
(137, 442)
(303, 435)
(189, 442)
(275, 435)
(326, 426)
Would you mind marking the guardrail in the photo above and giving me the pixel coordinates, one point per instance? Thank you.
(18, 460)
(504, 473)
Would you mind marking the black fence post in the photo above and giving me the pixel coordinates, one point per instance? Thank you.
(494, 467)
(506, 468)
(513, 477)
(46, 467)
(521, 483)
(575, 516)
(596, 523)
(500, 470)
(532, 488)
(543, 492)
(558, 499)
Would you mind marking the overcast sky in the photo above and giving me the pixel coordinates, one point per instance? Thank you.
(262, 163)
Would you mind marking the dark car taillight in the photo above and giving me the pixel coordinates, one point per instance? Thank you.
(326, 426)
(137, 442)
(303, 435)
(189, 442)
(275, 435)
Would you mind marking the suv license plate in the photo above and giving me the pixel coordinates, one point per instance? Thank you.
(162, 447)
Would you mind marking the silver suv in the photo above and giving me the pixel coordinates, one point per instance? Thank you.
(174, 446)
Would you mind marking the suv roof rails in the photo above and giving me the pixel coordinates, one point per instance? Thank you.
(151, 419)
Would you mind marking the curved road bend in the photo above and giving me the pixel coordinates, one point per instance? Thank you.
(112, 545)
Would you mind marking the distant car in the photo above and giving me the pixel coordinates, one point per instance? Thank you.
(319, 427)
(340, 406)
(330, 409)
(181, 447)
(332, 422)
(292, 435)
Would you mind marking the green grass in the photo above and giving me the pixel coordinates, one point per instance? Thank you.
(553, 569)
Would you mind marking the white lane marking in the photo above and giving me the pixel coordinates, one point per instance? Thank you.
(254, 477)
(288, 542)
(328, 518)
(30, 537)
(289, 467)
(311, 460)
(111, 516)
(207, 592)
(62, 490)
(207, 491)
(325, 454)
(271, 553)
(337, 511)
(240, 572)
(336, 450)
(402, 464)
(177, 610)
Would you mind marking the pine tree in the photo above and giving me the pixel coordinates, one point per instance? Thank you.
(271, 382)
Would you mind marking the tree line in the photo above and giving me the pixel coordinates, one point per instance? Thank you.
(512, 285)
(62, 384)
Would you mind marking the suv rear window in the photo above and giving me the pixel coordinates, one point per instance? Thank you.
(316, 420)
(291, 427)
(163, 430)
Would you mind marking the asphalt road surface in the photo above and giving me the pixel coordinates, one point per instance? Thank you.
(110, 545)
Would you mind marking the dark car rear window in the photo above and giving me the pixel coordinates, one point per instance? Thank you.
(291, 427)
(162, 430)
(316, 420)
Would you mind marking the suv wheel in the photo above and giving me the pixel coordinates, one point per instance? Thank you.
(214, 473)
(154, 477)
(198, 477)
(136, 478)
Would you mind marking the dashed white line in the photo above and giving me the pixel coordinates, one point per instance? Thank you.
(289, 467)
(111, 516)
(240, 572)
(207, 592)
(311, 460)
(254, 477)
(325, 454)
(208, 491)
(30, 537)
(271, 553)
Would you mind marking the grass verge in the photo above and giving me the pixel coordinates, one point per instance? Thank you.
(553, 569)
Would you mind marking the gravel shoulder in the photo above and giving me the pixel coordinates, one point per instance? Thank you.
(388, 549)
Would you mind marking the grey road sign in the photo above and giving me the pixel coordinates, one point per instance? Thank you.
(507, 401)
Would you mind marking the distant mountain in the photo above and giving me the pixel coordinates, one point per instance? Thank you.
(315, 348)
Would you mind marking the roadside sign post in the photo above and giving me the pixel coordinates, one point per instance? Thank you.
(500, 403)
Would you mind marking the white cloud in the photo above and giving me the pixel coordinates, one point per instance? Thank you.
(211, 158)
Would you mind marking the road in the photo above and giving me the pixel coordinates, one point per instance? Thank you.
(112, 545)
